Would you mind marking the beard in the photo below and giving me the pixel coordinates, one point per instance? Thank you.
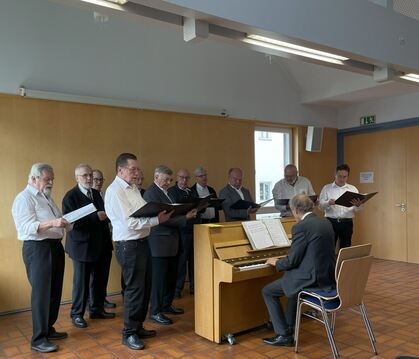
(47, 191)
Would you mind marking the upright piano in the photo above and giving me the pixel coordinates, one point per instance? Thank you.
(229, 277)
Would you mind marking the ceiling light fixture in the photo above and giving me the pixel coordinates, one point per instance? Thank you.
(410, 77)
(112, 4)
(120, 2)
(294, 49)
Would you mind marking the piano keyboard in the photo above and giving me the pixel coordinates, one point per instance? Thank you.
(252, 266)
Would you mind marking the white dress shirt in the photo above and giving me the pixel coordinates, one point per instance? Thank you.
(202, 193)
(30, 208)
(239, 191)
(283, 190)
(333, 191)
(121, 200)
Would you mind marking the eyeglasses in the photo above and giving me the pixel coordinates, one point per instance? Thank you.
(98, 179)
(86, 175)
(184, 177)
(132, 169)
(203, 175)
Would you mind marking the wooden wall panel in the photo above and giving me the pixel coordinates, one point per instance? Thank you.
(66, 134)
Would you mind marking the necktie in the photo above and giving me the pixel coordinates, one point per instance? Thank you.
(89, 194)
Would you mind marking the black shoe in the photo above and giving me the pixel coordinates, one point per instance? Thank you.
(160, 318)
(280, 340)
(107, 304)
(144, 333)
(101, 315)
(46, 347)
(79, 322)
(173, 310)
(133, 342)
(54, 335)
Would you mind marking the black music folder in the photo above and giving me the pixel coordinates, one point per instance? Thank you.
(346, 198)
(242, 204)
(152, 209)
(284, 202)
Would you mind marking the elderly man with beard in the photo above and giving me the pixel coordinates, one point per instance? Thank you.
(40, 226)
(85, 245)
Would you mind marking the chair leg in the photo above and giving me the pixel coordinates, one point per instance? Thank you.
(368, 327)
(297, 325)
(333, 322)
(330, 335)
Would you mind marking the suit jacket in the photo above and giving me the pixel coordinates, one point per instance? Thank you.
(311, 260)
(211, 191)
(231, 196)
(89, 236)
(180, 196)
(164, 238)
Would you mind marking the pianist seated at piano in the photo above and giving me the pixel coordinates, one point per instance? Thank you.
(233, 192)
(310, 263)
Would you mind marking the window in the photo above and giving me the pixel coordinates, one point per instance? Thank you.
(272, 153)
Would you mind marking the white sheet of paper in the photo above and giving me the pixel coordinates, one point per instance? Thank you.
(257, 234)
(80, 213)
(277, 232)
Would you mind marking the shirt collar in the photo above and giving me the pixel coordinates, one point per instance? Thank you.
(334, 185)
(124, 184)
(82, 189)
(33, 189)
(200, 187)
(305, 215)
(239, 189)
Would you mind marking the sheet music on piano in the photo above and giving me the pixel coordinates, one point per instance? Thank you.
(266, 233)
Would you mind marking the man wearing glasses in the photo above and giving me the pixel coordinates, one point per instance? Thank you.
(40, 226)
(85, 245)
(132, 249)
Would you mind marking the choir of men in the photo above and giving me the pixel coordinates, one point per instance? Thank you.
(155, 253)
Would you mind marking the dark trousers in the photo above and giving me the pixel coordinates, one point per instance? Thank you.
(87, 278)
(101, 276)
(134, 257)
(164, 283)
(44, 262)
(343, 231)
(283, 323)
(186, 261)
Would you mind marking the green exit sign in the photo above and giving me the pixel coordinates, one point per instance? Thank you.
(367, 120)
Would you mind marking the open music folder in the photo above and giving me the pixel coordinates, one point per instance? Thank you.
(285, 201)
(266, 233)
(243, 204)
(346, 198)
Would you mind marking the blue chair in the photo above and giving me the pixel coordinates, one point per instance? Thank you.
(351, 281)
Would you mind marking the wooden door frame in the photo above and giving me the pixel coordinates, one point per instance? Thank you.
(341, 134)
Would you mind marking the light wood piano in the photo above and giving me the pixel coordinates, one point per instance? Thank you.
(229, 277)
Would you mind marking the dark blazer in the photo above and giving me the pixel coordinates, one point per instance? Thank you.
(89, 236)
(231, 196)
(164, 238)
(181, 196)
(311, 260)
(211, 191)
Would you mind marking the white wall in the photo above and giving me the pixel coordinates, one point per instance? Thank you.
(387, 109)
(52, 47)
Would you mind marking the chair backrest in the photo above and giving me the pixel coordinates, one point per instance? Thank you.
(362, 250)
(352, 280)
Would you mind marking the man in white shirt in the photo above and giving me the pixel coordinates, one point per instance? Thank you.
(289, 186)
(341, 217)
(132, 249)
(40, 226)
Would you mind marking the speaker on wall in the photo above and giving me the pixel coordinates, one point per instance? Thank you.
(314, 139)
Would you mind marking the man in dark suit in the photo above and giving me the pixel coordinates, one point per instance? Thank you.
(233, 192)
(84, 245)
(200, 190)
(182, 194)
(310, 264)
(164, 246)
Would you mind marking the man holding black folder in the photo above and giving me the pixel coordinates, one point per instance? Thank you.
(233, 192)
(341, 217)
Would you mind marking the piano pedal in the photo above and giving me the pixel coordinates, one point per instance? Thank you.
(230, 338)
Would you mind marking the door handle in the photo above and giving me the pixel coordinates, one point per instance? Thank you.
(402, 207)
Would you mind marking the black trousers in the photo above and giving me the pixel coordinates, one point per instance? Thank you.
(134, 257)
(87, 278)
(101, 277)
(343, 231)
(44, 262)
(186, 261)
(283, 323)
(164, 283)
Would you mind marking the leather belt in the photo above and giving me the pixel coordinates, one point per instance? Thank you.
(340, 220)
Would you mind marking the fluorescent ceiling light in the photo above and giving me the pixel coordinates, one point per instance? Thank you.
(112, 4)
(410, 77)
(294, 49)
(120, 2)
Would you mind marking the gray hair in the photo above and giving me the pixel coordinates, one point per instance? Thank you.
(162, 170)
(301, 203)
(199, 170)
(98, 171)
(80, 166)
(37, 169)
